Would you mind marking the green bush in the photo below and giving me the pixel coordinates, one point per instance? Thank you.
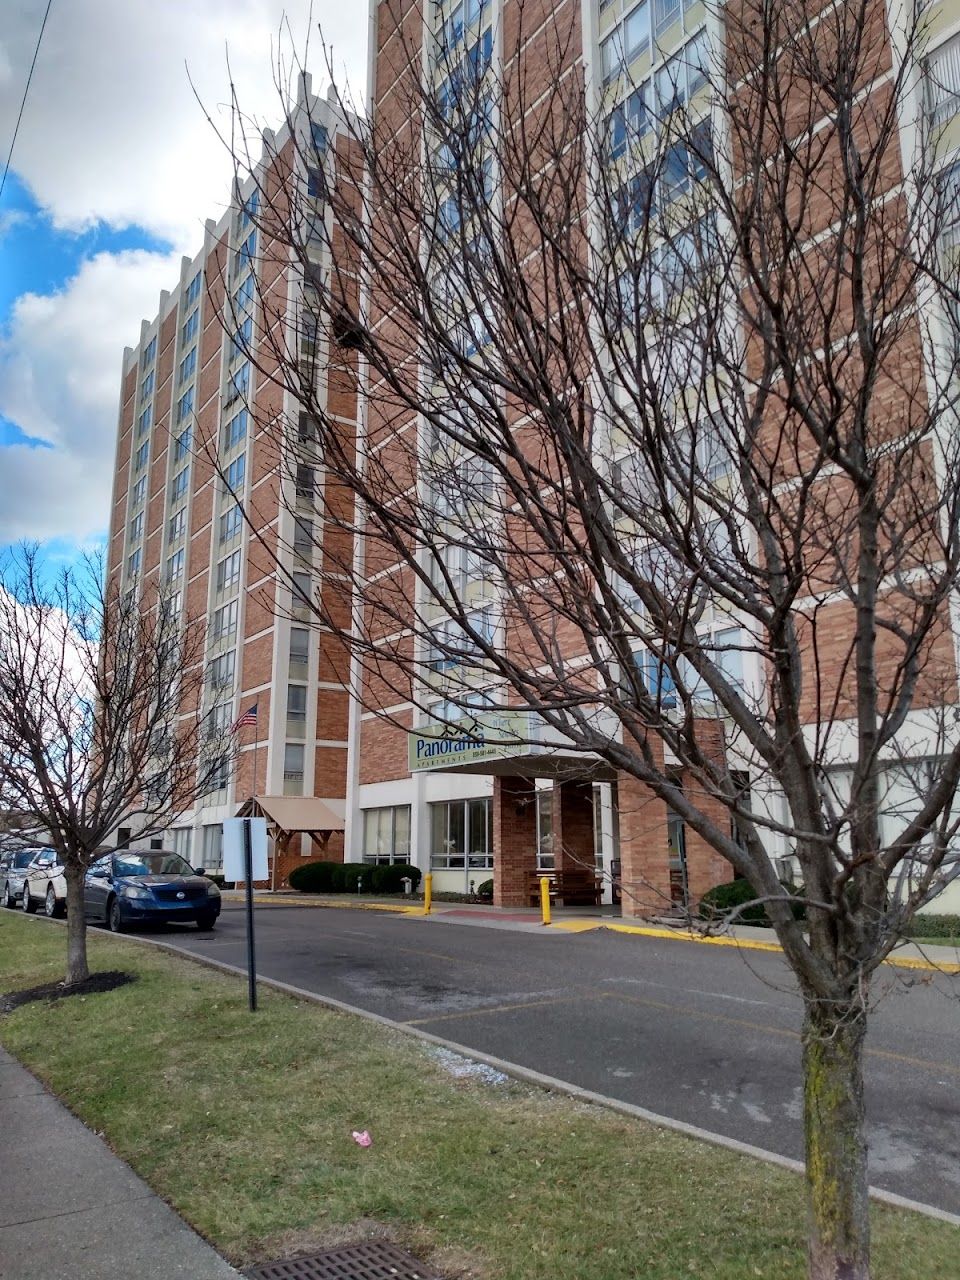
(346, 875)
(313, 877)
(929, 925)
(388, 877)
(485, 889)
(718, 902)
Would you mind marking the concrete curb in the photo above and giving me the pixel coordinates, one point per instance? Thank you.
(536, 1078)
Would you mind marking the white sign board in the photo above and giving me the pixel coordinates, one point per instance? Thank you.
(233, 868)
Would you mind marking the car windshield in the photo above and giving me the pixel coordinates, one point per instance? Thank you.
(151, 864)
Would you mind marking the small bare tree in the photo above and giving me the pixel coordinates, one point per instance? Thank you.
(100, 720)
(659, 447)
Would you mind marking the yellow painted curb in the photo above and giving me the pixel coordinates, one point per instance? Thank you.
(744, 944)
(326, 902)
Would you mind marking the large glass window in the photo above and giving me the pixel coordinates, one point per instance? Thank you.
(461, 834)
(386, 834)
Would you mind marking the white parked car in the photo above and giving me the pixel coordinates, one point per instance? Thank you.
(44, 886)
(15, 866)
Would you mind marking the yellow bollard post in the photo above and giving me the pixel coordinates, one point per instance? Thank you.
(545, 899)
(427, 893)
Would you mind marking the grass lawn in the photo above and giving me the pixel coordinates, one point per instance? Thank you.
(243, 1122)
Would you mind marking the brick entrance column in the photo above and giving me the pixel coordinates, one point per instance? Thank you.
(573, 839)
(514, 840)
(644, 849)
(705, 867)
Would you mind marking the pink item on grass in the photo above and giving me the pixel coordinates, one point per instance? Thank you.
(362, 1138)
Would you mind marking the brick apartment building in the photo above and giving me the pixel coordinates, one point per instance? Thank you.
(465, 813)
(196, 395)
(471, 814)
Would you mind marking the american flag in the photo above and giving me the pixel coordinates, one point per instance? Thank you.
(248, 717)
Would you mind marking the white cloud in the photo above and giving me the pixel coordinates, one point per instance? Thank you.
(112, 131)
(60, 364)
(113, 134)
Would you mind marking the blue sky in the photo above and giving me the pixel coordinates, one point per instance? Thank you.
(114, 172)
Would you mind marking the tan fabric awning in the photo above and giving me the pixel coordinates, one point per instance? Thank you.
(297, 813)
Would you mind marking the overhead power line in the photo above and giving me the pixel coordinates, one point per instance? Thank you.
(16, 127)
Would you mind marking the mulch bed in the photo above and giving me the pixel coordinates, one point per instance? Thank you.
(109, 980)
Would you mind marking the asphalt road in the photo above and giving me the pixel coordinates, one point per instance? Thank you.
(708, 1035)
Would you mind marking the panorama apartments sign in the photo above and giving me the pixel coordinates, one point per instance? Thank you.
(491, 735)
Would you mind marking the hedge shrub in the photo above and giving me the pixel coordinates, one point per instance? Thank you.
(485, 889)
(929, 925)
(719, 901)
(388, 877)
(313, 877)
(346, 875)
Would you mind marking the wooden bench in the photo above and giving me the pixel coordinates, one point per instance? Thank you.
(575, 887)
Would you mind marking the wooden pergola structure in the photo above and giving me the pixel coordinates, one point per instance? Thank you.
(289, 816)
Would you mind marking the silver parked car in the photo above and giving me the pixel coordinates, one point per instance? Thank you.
(15, 865)
(44, 886)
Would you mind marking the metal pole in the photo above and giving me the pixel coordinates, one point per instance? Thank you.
(248, 880)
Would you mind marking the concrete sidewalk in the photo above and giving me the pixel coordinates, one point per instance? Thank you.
(70, 1208)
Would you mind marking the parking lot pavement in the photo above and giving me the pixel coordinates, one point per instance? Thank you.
(70, 1208)
(704, 1035)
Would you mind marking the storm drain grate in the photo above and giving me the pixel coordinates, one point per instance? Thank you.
(372, 1260)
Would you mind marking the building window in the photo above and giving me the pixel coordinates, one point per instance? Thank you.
(180, 839)
(230, 523)
(140, 460)
(235, 431)
(233, 476)
(243, 294)
(144, 421)
(188, 366)
(178, 488)
(318, 136)
(149, 352)
(293, 762)
(225, 620)
(461, 835)
(211, 845)
(241, 339)
(193, 292)
(303, 536)
(296, 702)
(139, 491)
(185, 405)
(943, 82)
(386, 834)
(306, 481)
(301, 589)
(545, 856)
(177, 526)
(189, 328)
(182, 444)
(136, 527)
(133, 564)
(222, 669)
(228, 571)
(299, 648)
(175, 566)
(147, 385)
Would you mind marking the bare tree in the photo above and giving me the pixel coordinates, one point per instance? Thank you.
(659, 449)
(100, 720)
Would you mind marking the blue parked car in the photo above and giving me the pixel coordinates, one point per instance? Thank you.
(135, 886)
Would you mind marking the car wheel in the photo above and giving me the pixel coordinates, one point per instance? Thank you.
(8, 900)
(50, 904)
(206, 920)
(26, 902)
(114, 918)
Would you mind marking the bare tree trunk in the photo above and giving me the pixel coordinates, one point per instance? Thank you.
(77, 969)
(836, 1149)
